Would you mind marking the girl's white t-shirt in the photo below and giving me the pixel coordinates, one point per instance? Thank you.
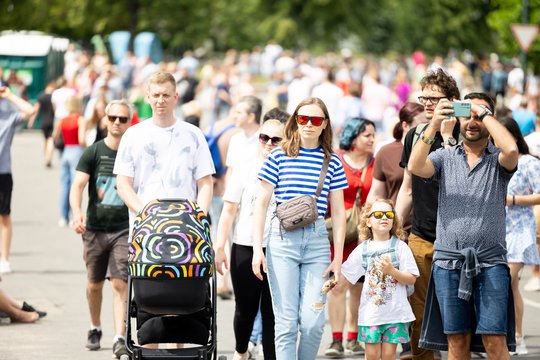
(383, 299)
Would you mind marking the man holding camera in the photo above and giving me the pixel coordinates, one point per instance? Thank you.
(422, 197)
(470, 278)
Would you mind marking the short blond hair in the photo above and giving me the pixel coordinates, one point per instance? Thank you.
(161, 77)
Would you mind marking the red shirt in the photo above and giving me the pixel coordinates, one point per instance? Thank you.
(70, 129)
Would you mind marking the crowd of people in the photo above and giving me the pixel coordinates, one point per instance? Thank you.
(379, 137)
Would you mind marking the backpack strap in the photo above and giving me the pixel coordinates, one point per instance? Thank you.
(393, 253)
(419, 129)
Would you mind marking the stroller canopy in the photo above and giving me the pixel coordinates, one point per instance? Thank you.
(171, 239)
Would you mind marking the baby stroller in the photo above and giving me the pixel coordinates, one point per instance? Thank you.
(171, 283)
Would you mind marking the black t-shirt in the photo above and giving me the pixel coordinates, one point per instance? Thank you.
(425, 192)
(46, 111)
(106, 211)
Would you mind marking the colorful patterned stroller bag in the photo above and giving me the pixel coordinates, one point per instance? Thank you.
(171, 257)
(171, 283)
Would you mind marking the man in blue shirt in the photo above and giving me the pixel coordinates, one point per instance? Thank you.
(470, 265)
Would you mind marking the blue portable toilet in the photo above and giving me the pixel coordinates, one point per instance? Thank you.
(147, 44)
(119, 43)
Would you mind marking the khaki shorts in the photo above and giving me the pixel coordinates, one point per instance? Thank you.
(106, 255)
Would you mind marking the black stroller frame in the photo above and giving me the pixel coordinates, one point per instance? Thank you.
(163, 282)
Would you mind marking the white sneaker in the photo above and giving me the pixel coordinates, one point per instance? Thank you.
(533, 284)
(62, 222)
(5, 268)
(521, 348)
(238, 356)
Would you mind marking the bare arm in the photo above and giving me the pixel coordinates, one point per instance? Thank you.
(338, 230)
(377, 191)
(75, 201)
(523, 200)
(264, 194)
(24, 106)
(224, 227)
(419, 164)
(81, 131)
(404, 197)
(124, 186)
(509, 155)
(402, 277)
(205, 188)
(34, 115)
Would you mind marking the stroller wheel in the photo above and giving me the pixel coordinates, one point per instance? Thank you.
(124, 357)
(222, 357)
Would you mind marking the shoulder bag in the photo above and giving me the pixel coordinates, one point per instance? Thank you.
(302, 210)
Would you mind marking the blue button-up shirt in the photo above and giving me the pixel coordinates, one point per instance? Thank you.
(472, 200)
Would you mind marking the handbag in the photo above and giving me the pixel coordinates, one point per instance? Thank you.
(58, 141)
(352, 216)
(302, 210)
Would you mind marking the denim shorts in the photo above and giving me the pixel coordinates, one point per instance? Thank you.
(488, 303)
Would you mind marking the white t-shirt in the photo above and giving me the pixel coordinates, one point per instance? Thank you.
(533, 141)
(165, 163)
(241, 149)
(383, 299)
(58, 99)
(242, 189)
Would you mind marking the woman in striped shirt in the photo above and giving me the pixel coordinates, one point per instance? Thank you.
(298, 261)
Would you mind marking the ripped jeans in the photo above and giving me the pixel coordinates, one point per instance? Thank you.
(296, 261)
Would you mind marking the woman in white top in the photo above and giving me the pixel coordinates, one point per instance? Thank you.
(299, 260)
(238, 199)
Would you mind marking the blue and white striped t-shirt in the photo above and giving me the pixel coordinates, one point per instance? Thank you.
(294, 176)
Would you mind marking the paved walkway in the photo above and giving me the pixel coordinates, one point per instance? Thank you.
(48, 272)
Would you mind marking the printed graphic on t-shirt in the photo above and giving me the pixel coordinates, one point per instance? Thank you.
(381, 287)
(106, 191)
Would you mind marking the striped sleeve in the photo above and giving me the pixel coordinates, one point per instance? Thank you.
(270, 169)
(339, 179)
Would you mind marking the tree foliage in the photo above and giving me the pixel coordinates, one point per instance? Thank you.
(377, 27)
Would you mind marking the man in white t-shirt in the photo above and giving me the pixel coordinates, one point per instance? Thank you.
(162, 158)
(247, 117)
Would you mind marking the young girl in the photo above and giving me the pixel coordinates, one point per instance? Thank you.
(389, 265)
(299, 260)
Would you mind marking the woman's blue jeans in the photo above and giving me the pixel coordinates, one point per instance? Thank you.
(296, 261)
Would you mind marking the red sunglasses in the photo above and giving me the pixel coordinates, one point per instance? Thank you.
(315, 120)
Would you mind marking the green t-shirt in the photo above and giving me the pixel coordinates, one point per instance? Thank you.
(106, 211)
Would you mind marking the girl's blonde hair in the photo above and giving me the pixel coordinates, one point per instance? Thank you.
(364, 231)
(291, 142)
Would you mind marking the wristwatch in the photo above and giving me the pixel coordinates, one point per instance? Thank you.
(484, 113)
(450, 141)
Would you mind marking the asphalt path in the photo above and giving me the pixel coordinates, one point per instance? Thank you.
(49, 273)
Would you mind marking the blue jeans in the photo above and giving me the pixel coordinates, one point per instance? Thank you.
(296, 261)
(68, 164)
(489, 300)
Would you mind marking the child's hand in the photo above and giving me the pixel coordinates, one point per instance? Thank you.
(328, 286)
(385, 265)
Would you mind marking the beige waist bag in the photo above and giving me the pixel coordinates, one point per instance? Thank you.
(302, 210)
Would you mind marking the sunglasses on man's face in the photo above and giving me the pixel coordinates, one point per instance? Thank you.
(380, 214)
(315, 120)
(122, 119)
(263, 139)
